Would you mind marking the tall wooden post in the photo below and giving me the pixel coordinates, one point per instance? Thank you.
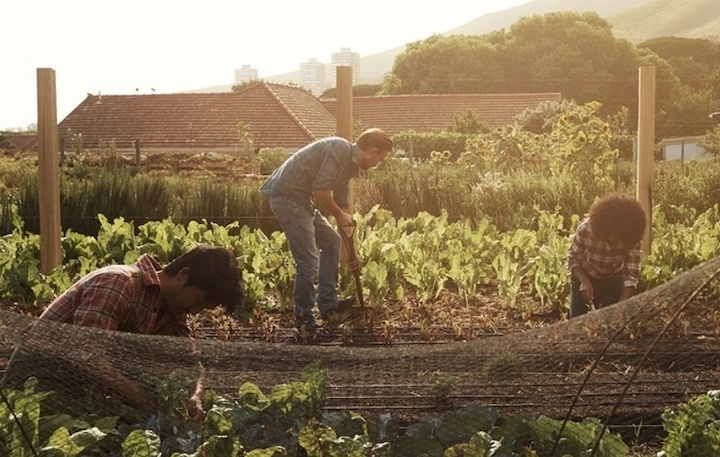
(48, 171)
(344, 122)
(136, 145)
(646, 147)
(344, 117)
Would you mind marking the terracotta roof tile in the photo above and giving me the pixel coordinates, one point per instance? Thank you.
(274, 113)
(21, 141)
(277, 115)
(431, 112)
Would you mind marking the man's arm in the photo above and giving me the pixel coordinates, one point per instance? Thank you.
(325, 198)
(631, 273)
(127, 389)
(577, 248)
(344, 221)
(103, 301)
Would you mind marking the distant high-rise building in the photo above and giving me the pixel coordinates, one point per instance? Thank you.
(312, 76)
(245, 74)
(345, 58)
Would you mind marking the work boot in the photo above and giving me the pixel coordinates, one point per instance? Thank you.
(307, 330)
(342, 306)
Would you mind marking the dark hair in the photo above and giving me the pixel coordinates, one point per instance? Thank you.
(617, 216)
(214, 270)
(374, 138)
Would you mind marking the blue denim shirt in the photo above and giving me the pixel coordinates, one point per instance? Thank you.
(326, 164)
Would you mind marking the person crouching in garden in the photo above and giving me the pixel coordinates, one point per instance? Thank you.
(604, 257)
(91, 371)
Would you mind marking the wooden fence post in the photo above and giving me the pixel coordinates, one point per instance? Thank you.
(344, 122)
(646, 147)
(48, 171)
(136, 145)
(344, 117)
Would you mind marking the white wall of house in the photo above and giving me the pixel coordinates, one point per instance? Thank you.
(684, 149)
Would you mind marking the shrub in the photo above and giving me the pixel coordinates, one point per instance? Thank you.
(270, 158)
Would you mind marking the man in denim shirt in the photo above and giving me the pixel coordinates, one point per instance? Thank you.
(321, 170)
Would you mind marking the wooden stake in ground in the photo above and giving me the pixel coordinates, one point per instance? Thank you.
(48, 172)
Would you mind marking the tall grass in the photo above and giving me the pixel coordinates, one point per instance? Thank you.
(510, 199)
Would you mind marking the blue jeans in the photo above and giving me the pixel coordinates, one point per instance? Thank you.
(315, 246)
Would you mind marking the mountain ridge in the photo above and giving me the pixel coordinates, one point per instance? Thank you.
(634, 20)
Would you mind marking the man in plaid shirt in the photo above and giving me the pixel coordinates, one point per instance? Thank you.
(604, 258)
(139, 298)
(145, 298)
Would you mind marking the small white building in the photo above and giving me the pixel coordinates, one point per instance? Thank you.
(683, 149)
(312, 76)
(245, 74)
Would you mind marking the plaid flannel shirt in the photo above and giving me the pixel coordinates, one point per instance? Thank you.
(602, 260)
(118, 297)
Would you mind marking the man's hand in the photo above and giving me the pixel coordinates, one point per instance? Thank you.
(345, 223)
(626, 293)
(587, 290)
(353, 261)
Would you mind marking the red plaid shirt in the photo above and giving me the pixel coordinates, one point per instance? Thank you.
(118, 297)
(603, 260)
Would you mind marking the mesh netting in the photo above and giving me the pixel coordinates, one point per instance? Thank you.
(622, 365)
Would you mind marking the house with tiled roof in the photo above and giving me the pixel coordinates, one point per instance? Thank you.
(18, 142)
(433, 112)
(275, 115)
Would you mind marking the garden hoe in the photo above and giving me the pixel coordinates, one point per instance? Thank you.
(350, 246)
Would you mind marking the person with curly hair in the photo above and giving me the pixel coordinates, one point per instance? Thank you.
(604, 257)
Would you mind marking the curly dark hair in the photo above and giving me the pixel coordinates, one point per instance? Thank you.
(618, 217)
(214, 270)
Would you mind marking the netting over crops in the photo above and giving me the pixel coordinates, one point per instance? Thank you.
(623, 365)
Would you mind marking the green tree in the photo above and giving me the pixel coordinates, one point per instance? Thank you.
(238, 87)
(574, 54)
(711, 142)
(455, 64)
(361, 90)
(694, 62)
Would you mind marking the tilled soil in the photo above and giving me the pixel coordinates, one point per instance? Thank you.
(627, 389)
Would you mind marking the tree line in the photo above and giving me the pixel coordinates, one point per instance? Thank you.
(575, 54)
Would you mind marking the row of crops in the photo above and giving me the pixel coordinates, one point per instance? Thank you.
(430, 254)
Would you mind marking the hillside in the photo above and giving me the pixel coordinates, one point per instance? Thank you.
(687, 19)
(634, 20)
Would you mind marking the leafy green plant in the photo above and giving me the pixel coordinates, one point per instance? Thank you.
(503, 366)
(319, 440)
(693, 428)
(289, 420)
(25, 433)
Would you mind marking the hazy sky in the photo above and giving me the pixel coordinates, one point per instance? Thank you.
(116, 47)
